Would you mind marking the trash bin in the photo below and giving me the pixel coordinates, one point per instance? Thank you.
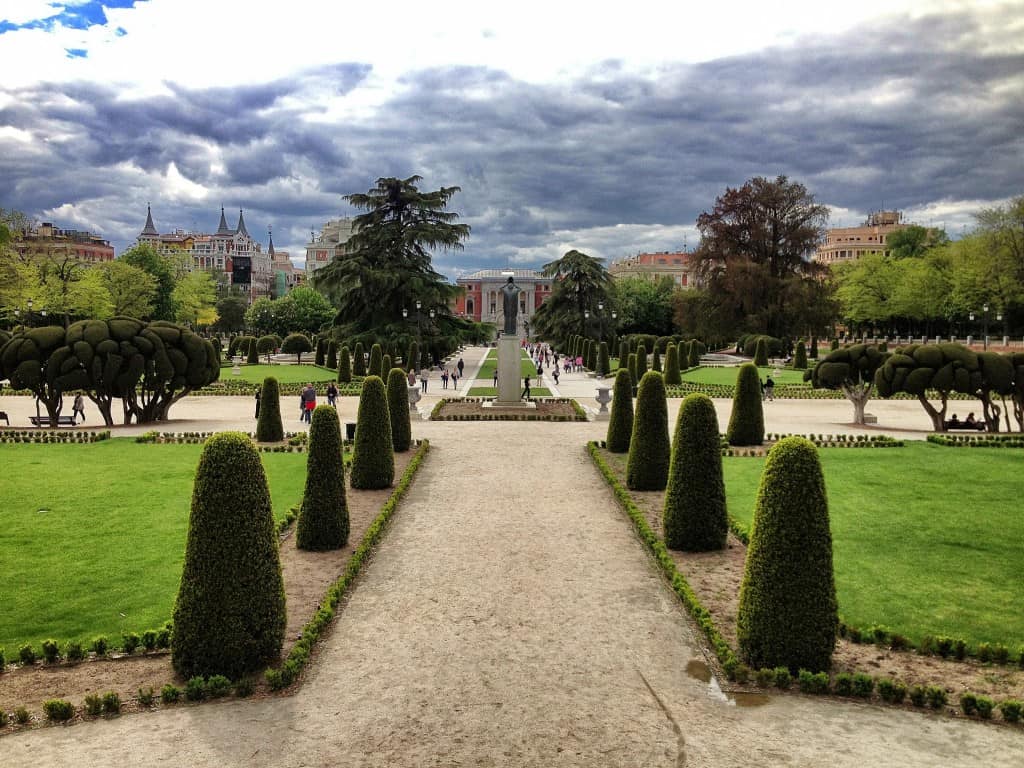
(350, 430)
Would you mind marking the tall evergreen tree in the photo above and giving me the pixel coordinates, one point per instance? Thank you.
(580, 283)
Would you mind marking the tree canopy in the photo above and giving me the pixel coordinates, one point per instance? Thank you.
(581, 282)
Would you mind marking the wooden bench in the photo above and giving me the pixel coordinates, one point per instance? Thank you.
(44, 421)
(978, 426)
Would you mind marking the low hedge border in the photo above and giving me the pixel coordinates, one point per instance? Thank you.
(283, 676)
(723, 651)
(51, 436)
(790, 392)
(435, 413)
(978, 441)
(821, 441)
(296, 442)
(226, 387)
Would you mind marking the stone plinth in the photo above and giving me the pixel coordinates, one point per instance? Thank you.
(510, 381)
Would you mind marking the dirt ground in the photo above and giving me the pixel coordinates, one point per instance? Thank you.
(307, 576)
(716, 578)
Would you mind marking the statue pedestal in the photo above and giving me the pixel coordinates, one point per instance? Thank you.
(510, 378)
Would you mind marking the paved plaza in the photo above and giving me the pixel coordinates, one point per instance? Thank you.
(511, 617)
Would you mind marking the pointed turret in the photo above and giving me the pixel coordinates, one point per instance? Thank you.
(149, 229)
(270, 247)
(223, 228)
(241, 230)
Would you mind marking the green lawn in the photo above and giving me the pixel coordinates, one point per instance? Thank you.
(92, 536)
(728, 376)
(927, 540)
(493, 391)
(526, 366)
(285, 374)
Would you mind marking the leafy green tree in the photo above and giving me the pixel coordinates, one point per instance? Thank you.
(132, 289)
(229, 616)
(230, 312)
(388, 265)
(296, 344)
(851, 370)
(620, 422)
(753, 256)
(694, 514)
(788, 615)
(181, 362)
(304, 309)
(34, 360)
(398, 410)
(1003, 228)
(265, 345)
(269, 428)
(649, 446)
(146, 258)
(672, 375)
(914, 241)
(746, 423)
(373, 458)
(323, 519)
(580, 283)
(643, 305)
(194, 297)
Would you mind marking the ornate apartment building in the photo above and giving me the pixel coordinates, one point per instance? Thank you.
(850, 243)
(324, 248)
(229, 251)
(675, 265)
(64, 244)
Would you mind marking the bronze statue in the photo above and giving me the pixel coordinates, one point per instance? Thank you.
(510, 293)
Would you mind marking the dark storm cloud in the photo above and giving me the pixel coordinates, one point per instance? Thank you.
(907, 113)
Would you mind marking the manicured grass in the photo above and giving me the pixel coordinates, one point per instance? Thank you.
(927, 540)
(493, 391)
(727, 376)
(285, 374)
(526, 366)
(92, 537)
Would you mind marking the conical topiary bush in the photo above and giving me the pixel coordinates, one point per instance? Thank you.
(624, 354)
(656, 361)
(631, 368)
(398, 410)
(359, 360)
(376, 361)
(800, 357)
(602, 360)
(332, 355)
(761, 353)
(413, 361)
(695, 514)
(649, 446)
(323, 519)
(229, 616)
(787, 613)
(386, 364)
(620, 422)
(814, 348)
(344, 365)
(269, 428)
(373, 457)
(746, 424)
(641, 362)
(319, 351)
(672, 376)
(696, 349)
(253, 357)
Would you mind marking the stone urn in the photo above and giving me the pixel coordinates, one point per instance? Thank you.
(414, 397)
(603, 397)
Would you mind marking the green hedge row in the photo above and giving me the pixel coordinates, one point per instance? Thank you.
(436, 415)
(51, 436)
(978, 441)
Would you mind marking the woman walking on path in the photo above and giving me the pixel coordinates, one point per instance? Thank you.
(78, 408)
(423, 379)
(526, 391)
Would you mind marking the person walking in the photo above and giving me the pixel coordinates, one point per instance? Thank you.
(526, 391)
(78, 408)
(495, 378)
(769, 389)
(460, 365)
(444, 379)
(308, 402)
(332, 394)
(423, 379)
(258, 393)
(554, 374)
(412, 378)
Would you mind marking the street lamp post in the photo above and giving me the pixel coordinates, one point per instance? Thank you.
(970, 318)
(984, 341)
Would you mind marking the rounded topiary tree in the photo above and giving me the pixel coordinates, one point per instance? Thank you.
(800, 357)
(746, 424)
(672, 375)
(253, 352)
(373, 457)
(344, 365)
(269, 428)
(296, 344)
(641, 362)
(620, 423)
(656, 360)
(359, 360)
(398, 410)
(265, 345)
(602, 360)
(332, 355)
(695, 513)
(761, 353)
(323, 519)
(229, 616)
(649, 446)
(787, 613)
(376, 367)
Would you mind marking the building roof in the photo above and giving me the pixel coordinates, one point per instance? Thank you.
(484, 274)
(149, 229)
(270, 248)
(222, 228)
(241, 225)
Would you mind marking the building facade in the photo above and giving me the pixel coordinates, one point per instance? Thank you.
(482, 300)
(850, 243)
(324, 248)
(231, 252)
(286, 274)
(65, 245)
(677, 266)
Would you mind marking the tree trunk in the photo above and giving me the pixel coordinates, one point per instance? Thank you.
(859, 395)
(938, 417)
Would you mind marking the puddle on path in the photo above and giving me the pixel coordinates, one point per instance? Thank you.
(699, 670)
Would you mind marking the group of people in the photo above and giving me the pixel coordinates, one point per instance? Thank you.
(307, 400)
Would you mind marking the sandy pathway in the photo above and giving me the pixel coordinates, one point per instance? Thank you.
(510, 618)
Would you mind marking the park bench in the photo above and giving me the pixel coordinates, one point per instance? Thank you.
(3, 415)
(44, 421)
(978, 426)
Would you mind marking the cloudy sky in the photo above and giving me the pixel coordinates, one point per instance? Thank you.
(566, 126)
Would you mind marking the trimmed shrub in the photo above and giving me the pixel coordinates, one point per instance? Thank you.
(386, 364)
(320, 357)
(376, 361)
(800, 358)
(815, 682)
(813, 353)
(602, 360)
(641, 362)
(373, 458)
(783, 678)
(672, 376)
(27, 655)
(835, 345)
(359, 360)
(169, 694)
(1011, 709)
(323, 519)
(656, 361)
(694, 513)
(398, 410)
(631, 369)
(746, 424)
(332, 355)
(649, 447)
(761, 353)
(253, 353)
(694, 351)
(296, 344)
(620, 422)
(344, 365)
(623, 354)
(58, 710)
(111, 703)
(787, 611)
(267, 344)
(412, 362)
(51, 651)
(229, 616)
(269, 428)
